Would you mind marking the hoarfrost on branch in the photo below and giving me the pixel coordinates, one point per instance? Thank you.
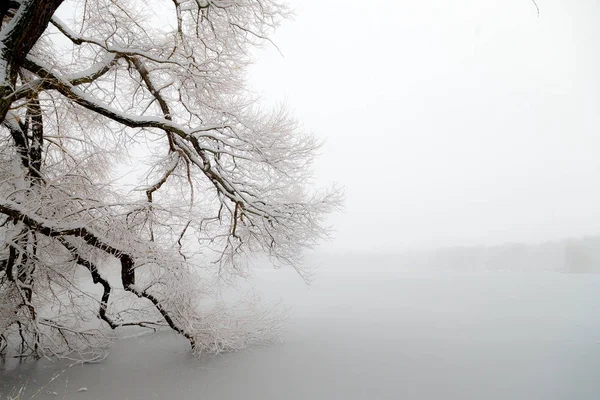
(160, 85)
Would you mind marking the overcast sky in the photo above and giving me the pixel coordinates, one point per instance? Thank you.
(456, 122)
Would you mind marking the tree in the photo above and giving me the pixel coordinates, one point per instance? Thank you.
(161, 85)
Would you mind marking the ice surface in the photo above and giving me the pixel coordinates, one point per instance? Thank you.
(372, 334)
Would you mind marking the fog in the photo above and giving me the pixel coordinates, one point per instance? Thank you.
(449, 123)
(464, 264)
(371, 333)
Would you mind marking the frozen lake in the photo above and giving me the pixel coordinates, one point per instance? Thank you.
(371, 334)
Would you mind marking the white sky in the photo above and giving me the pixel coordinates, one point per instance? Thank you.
(449, 122)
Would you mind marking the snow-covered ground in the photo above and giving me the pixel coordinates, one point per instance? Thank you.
(371, 334)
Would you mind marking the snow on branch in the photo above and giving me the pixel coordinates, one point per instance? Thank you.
(212, 177)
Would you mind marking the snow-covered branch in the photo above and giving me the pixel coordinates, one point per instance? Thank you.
(158, 89)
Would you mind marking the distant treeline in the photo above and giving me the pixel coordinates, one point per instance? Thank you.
(570, 256)
(581, 255)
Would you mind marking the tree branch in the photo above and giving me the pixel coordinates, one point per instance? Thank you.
(96, 278)
(127, 262)
(17, 38)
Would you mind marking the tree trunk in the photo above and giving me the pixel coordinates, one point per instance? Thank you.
(17, 38)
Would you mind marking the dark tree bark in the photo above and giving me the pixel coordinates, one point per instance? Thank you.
(18, 38)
